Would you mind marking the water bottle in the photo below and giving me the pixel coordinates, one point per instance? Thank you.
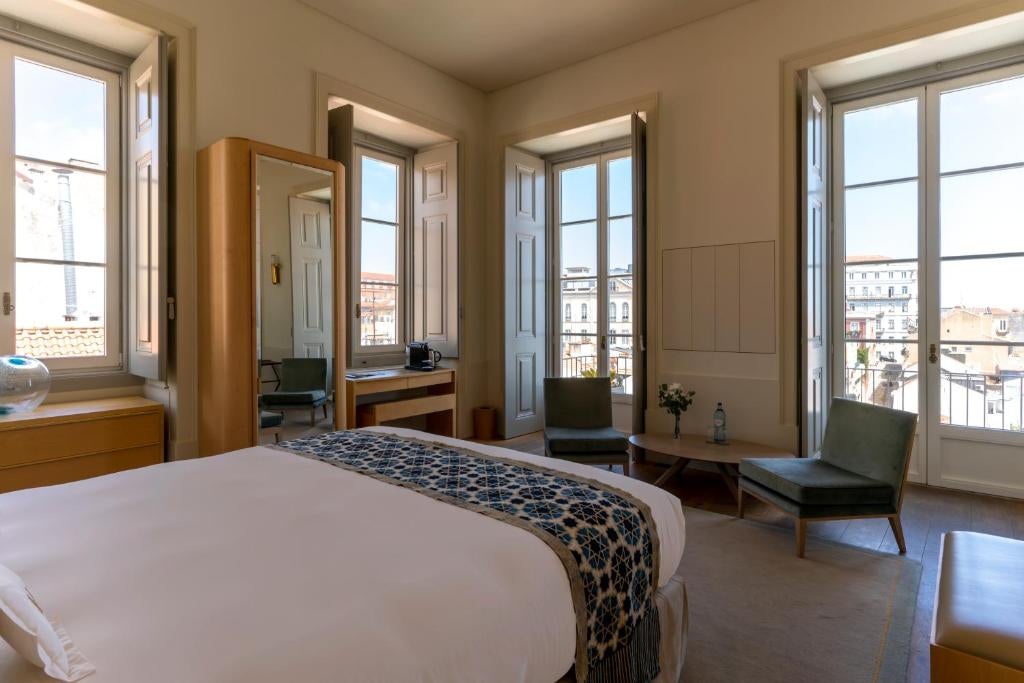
(719, 421)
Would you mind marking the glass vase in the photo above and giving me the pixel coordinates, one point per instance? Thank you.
(24, 383)
(675, 432)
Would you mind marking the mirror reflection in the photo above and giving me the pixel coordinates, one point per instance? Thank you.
(294, 305)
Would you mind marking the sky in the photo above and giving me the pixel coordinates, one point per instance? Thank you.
(379, 243)
(980, 213)
(579, 202)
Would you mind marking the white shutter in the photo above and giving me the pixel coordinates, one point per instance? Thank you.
(639, 152)
(435, 249)
(525, 293)
(148, 177)
(340, 147)
(814, 264)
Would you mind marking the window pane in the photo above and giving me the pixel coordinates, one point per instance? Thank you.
(881, 221)
(880, 143)
(378, 319)
(983, 213)
(884, 374)
(61, 214)
(578, 356)
(58, 116)
(60, 310)
(973, 397)
(620, 364)
(579, 194)
(579, 249)
(579, 306)
(981, 125)
(620, 186)
(380, 190)
(379, 253)
(881, 301)
(620, 246)
(981, 300)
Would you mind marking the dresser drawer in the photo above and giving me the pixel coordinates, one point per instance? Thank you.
(75, 468)
(35, 444)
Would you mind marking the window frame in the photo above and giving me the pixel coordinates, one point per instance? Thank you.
(385, 353)
(603, 338)
(116, 194)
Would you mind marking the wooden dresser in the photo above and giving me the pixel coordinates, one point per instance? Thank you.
(61, 442)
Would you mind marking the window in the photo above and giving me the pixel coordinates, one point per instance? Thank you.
(594, 247)
(568, 312)
(381, 194)
(61, 261)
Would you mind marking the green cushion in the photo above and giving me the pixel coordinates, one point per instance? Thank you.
(583, 441)
(313, 398)
(870, 440)
(815, 511)
(578, 402)
(814, 482)
(270, 419)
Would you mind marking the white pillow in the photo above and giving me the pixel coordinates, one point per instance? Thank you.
(35, 637)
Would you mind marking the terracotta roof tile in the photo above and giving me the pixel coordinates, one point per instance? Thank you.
(60, 342)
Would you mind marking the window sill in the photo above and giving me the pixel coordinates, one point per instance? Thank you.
(78, 380)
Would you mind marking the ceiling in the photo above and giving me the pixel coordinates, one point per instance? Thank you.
(490, 45)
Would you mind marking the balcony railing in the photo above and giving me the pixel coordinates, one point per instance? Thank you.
(966, 399)
(586, 366)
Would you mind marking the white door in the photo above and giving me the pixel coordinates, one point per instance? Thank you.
(312, 326)
(928, 291)
(525, 294)
(976, 252)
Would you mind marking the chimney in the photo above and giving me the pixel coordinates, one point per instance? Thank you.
(67, 235)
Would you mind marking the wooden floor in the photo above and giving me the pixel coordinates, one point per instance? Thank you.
(927, 514)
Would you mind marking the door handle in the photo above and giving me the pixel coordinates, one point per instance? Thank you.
(933, 353)
(8, 306)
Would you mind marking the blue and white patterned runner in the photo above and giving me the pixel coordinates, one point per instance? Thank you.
(605, 537)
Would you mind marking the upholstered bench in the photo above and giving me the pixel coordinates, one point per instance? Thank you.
(978, 632)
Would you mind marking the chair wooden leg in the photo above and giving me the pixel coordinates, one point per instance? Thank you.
(739, 503)
(801, 536)
(897, 531)
(325, 411)
(312, 417)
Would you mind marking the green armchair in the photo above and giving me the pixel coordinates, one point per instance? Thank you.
(578, 421)
(303, 387)
(861, 472)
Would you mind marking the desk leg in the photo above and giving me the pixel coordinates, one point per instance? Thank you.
(350, 406)
(678, 466)
(730, 479)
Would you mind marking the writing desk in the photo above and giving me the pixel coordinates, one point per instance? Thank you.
(431, 394)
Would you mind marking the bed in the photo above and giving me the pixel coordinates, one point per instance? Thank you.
(261, 565)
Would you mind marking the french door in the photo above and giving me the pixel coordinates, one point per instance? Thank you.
(593, 252)
(928, 277)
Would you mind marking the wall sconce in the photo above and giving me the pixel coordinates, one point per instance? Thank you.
(275, 270)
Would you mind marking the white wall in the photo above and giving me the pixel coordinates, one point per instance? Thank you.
(718, 161)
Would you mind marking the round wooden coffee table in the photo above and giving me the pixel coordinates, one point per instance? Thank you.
(694, 447)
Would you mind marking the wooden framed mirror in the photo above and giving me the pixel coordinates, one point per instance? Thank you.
(272, 318)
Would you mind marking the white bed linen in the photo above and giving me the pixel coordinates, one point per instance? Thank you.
(259, 566)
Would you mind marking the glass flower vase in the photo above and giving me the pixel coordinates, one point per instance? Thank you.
(24, 383)
(675, 432)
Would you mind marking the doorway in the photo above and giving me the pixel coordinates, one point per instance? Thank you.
(928, 256)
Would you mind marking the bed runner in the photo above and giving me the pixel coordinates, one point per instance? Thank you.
(604, 537)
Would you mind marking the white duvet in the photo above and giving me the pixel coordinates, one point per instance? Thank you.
(259, 566)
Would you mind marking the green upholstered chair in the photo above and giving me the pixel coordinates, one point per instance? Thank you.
(861, 471)
(578, 421)
(303, 387)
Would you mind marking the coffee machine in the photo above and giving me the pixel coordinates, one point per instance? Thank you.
(419, 356)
